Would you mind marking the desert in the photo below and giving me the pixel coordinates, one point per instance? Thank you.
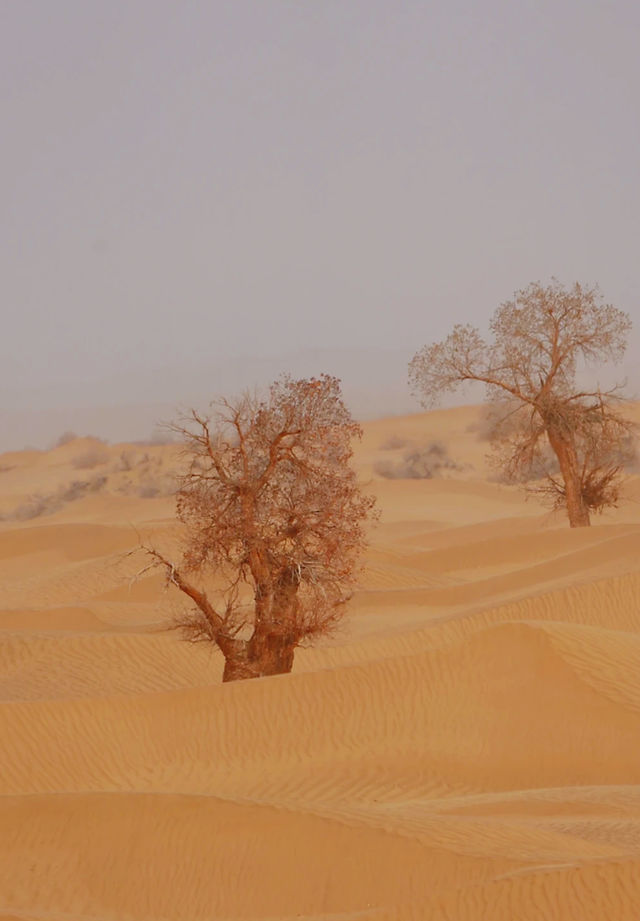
(464, 747)
(320, 461)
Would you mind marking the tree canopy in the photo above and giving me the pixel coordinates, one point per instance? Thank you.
(538, 339)
(271, 509)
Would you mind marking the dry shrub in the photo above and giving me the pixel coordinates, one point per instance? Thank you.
(152, 476)
(158, 486)
(484, 427)
(65, 439)
(150, 487)
(93, 456)
(418, 463)
(125, 461)
(47, 503)
(36, 505)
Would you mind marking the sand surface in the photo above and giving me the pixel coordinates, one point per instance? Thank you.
(466, 748)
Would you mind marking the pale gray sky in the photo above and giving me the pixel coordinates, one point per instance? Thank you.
(196, 193)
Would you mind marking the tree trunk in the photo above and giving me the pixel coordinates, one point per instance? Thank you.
(268, 652)
(271, 648)
(565, 451)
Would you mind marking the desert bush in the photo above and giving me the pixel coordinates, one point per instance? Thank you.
(47, 503)
(80, 488)
(93, 456)
(125, 462)
(35, 505)
(150, 486)
(483, 427)
(418, 463)
(65, 439)
(496, 420)
(157, 485)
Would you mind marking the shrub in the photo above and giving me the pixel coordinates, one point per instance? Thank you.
(65, 439)
(125, 461)
(418, 463)
(46, 504)
(94, 456)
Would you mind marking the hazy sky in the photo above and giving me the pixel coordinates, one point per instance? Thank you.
(192, 188)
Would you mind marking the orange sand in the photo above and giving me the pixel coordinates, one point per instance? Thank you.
(467, 748)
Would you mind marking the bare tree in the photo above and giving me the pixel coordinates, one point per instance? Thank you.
(272, 511)
(529, 370)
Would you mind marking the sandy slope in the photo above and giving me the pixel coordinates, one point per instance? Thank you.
(466, 748)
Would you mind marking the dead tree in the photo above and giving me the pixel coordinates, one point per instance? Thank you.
(529, 370)
(274, 517)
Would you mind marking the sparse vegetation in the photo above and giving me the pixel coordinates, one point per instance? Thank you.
(152, 478)
(530, 373)
(65, 439)
(93, 456)
(126, 461)
(418, 463)
(47, 503)
(131, 474)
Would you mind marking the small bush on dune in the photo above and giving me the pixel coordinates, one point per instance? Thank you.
(46, 504)
(155, 485)
(65, 439)
(418, 463)
(35, 506)
(495, 420)
(94, 456)
(79, 488)
(125, 462)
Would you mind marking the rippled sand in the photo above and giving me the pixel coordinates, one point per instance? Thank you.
(467, 748)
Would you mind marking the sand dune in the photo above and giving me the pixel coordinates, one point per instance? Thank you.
(465, 748)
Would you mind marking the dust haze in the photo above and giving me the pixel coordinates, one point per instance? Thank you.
(197, 197)
(443, 711)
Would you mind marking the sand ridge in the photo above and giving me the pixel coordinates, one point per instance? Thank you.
(465, 748)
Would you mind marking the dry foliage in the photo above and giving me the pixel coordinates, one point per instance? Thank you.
(39, 504)
(529, 370)
(65, 439)
(273, 511)
(94, 455)
(417, 463)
